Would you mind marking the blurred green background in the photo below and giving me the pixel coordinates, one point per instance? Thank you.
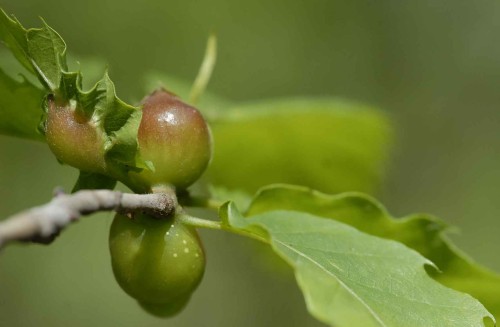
(433, 65)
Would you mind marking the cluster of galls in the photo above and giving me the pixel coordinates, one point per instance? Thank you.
(157, 262)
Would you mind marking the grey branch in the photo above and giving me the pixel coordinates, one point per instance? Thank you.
(41, 224)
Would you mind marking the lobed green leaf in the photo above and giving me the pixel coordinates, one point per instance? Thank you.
(423, 233)
(19, 107)
(350, 278)
(47, 52)
(120, 123)
(327, 144)
(13, 35)
(41, 51)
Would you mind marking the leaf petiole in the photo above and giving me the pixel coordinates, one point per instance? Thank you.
(200, 222)
(218, 225)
